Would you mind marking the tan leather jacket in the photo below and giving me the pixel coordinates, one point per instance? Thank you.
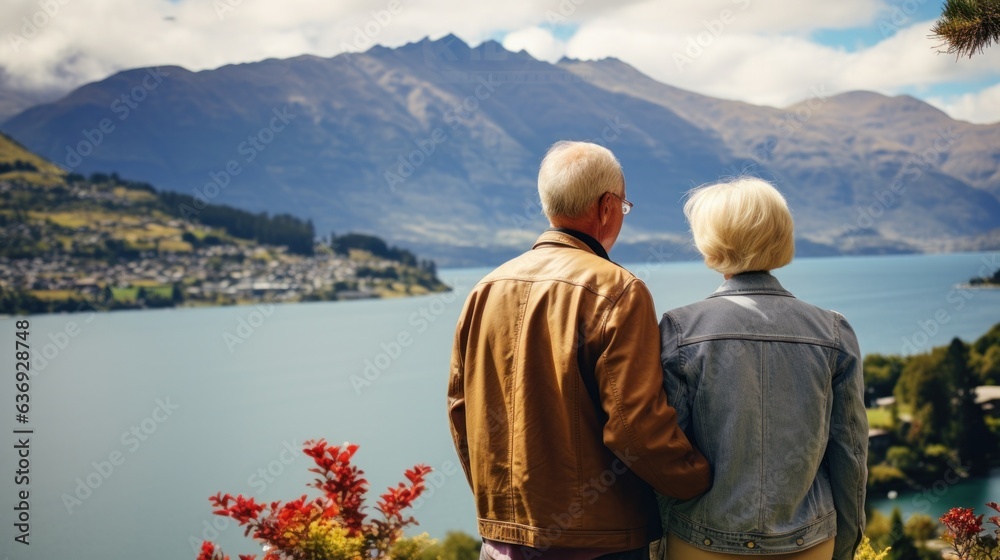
(547, 468)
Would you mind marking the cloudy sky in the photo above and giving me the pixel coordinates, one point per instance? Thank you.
(771, 52)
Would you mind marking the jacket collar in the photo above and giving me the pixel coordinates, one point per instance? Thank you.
(572, 238)
(751, 283)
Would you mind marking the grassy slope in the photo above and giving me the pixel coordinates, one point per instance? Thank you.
(48, 173)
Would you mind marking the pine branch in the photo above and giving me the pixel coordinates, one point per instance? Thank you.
(967, 27)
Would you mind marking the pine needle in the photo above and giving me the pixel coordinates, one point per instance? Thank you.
(967, 27)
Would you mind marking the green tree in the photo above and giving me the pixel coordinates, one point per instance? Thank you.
(459, 546)
(903, 547)
(902, 457)
(882, 373)
(987, 365)
(176, 294)
(921, 527)
(877, 529)
(985, 355)
(968, 432)
(968, 26)
(925, 386)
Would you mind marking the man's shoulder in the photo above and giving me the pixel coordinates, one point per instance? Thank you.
(564, 265)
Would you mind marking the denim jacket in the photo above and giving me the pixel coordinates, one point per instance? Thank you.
(770, 389)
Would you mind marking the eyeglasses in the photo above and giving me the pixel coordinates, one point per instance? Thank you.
(626, 205)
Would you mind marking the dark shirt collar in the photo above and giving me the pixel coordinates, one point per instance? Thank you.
(751, 283)
(594, 245)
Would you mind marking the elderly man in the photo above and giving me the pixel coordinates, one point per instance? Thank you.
(555, 396)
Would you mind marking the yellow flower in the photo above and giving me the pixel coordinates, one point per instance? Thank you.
(866, 552)
(328, 540)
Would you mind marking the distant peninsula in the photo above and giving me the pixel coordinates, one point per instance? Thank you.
(75, 243)
(986, 281)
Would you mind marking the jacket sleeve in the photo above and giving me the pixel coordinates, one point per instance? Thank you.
(674, 381)
(456, 395)
(847, 450)
(642, 427)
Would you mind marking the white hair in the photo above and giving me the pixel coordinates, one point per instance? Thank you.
(741, 225)
(574, 175)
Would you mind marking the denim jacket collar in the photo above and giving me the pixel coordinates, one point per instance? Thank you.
(751, 283)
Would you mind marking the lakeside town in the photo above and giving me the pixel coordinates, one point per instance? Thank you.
(106, 243)
(215, 275)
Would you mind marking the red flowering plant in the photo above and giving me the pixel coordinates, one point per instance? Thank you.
(330, 527)
(962, 532)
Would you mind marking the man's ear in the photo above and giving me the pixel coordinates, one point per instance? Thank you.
(603, 209)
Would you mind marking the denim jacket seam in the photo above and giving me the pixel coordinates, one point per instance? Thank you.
(763, 436)
(760, 338)
(678, 338)
(745, 291)
(836, 328)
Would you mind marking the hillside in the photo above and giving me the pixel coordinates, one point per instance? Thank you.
(73, 244)
(435, 145)
(863, 172)
(16, 162)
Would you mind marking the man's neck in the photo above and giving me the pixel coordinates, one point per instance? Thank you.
(588, 239)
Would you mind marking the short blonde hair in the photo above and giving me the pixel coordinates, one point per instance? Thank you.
(741, 225)
(574, 175)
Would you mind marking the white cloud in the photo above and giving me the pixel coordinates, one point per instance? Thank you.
(755, 50)
(982, 107)
(538, 42)
(753, 16)
(87, 41)
(778, 70)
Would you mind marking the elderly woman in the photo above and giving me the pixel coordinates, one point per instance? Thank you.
(770, 389)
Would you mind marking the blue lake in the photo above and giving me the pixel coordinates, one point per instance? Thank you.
(139, 416)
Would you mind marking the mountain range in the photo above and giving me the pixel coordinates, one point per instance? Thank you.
(435, 145)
